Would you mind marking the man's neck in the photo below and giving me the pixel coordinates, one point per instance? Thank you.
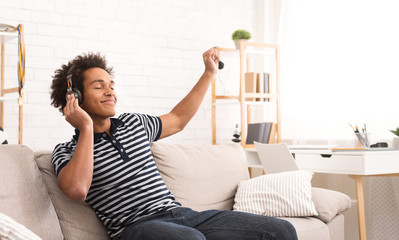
(102, 125)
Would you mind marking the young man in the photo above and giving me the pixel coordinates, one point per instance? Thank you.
(109, 165)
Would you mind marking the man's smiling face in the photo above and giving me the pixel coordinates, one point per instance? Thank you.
(99, 95)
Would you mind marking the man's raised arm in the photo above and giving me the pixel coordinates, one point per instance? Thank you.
(182, 113)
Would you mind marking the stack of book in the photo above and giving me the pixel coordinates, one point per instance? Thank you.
(257, 83)
(264, 132)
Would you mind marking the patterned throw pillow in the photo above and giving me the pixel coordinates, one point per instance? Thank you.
(11, 230)
(286, 194)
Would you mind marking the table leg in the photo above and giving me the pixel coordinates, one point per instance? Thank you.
(360, 206)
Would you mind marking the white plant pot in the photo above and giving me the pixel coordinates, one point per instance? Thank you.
(237, 42)
(395, 143)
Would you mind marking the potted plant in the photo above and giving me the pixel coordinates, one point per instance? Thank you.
(240, 35)
(395, 142)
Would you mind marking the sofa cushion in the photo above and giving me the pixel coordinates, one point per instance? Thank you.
(201, 176)
(310, 228)
(329, 203)
(77, 220)
(285, 194)
(12, 230)
(23, 195)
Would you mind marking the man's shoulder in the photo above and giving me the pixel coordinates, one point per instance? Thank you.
(65, 145)
(133, 117)
(127, 115)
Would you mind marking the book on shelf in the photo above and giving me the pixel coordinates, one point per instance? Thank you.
(259, 85)
(250, 84)
(262, 85)
(260, 132)
(266, 84)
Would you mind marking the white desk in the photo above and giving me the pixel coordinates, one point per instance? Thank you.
(357, 164)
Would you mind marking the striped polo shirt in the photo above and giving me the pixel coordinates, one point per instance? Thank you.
(126, 183)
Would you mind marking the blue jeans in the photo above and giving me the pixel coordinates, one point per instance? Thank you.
(185, 223)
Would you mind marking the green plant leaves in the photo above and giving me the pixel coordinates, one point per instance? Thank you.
(241, 34)
(396, 132)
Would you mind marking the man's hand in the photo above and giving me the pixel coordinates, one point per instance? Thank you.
(211, 58)
(75, 115)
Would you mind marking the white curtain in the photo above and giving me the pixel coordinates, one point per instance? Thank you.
(339, 65)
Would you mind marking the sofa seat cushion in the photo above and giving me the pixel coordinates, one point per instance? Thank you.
(23, 195)
(77, 220)
(310, 228)
(201, 176)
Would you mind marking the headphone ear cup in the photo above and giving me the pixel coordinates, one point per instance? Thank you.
(76, 93)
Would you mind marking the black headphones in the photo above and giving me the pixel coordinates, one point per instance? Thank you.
(220, 65)
(71, 90)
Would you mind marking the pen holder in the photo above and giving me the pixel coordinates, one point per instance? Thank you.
(363, 140)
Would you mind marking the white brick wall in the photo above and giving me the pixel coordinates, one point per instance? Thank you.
(155, 47)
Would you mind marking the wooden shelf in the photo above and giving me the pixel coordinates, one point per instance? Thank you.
(226, 97)
(6, 37)
(245, 51)
(261, 95)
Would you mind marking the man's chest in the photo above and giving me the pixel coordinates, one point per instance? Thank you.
(126, 152)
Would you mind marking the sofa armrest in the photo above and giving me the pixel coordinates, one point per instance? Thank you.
(329, 203)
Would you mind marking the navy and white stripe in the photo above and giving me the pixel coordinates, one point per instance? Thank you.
(126, 183)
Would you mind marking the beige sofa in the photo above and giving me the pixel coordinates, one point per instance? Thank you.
(200, 176)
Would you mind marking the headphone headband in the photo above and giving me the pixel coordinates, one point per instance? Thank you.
(69, 77)
(70, 72)
(71, 90)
